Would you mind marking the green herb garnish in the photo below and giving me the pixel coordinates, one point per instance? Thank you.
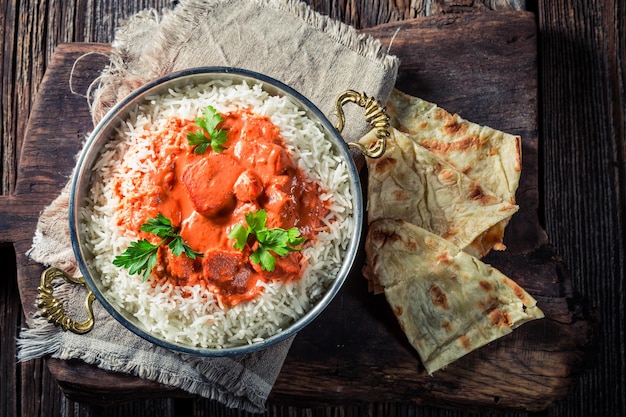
(277, 240)
(141, 255)
(208, 134)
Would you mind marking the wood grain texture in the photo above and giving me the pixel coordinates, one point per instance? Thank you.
(332, 350)
(582, 96)
(10, 320)
(581, 140)
(29, 33)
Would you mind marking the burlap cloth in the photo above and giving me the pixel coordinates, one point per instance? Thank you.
(280, 38)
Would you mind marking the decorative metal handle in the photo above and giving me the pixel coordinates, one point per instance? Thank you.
(375, 115)
(53, 310)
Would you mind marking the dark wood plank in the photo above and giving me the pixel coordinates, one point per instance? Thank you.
(10, 321)
(46, 172)
(581, 130)
(584, 148)
(366, 14)
(335, 356)
(29, 33)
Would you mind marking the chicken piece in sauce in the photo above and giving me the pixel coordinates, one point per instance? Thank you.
(210, 182)
(248, 186)
(229, 270)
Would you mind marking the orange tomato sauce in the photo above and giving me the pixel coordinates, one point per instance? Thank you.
(206, 195)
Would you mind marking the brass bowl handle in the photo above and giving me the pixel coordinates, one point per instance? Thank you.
(53, 310)
(375, 115)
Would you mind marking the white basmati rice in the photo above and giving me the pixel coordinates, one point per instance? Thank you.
(195, 319)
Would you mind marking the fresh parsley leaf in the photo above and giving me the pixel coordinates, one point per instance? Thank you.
(141, 255)
(264, 258)
(256, 221)
(191, 254)
(160, 226)
(240, 233)
(208, 134)
(199, 140)
(277, 240)
(217, 140)
(178, 247)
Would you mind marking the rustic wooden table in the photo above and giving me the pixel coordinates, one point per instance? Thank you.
(561, 65)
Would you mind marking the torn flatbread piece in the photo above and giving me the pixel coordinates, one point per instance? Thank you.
(411, 183)
(447, 302)
(486, 155)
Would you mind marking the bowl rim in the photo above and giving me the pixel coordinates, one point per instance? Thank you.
(112, 117)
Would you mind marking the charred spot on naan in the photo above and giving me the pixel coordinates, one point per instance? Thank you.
(490, 157)
(380, 237)
(444, 257)
(477, 193)
(446, 301)
(450, 233)
(518, 160)
(485, 285)
(401, 195)
(518, 291)
(465, 342)
(499, 319)
(488, 303)
(384, 164)
(447, 176)
(413, 184)
(439, 297)
(453, 127)
(464, 144)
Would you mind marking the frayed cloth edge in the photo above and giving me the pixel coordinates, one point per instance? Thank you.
(117, 79)
(39, 340)
(214, 391)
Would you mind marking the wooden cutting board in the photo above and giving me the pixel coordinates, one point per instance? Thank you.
(482, 66)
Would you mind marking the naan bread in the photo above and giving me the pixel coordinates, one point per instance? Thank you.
(490, 157)
(447, 302)
(411, 183)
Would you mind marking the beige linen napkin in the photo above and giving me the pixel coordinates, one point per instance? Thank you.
(280, 38)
